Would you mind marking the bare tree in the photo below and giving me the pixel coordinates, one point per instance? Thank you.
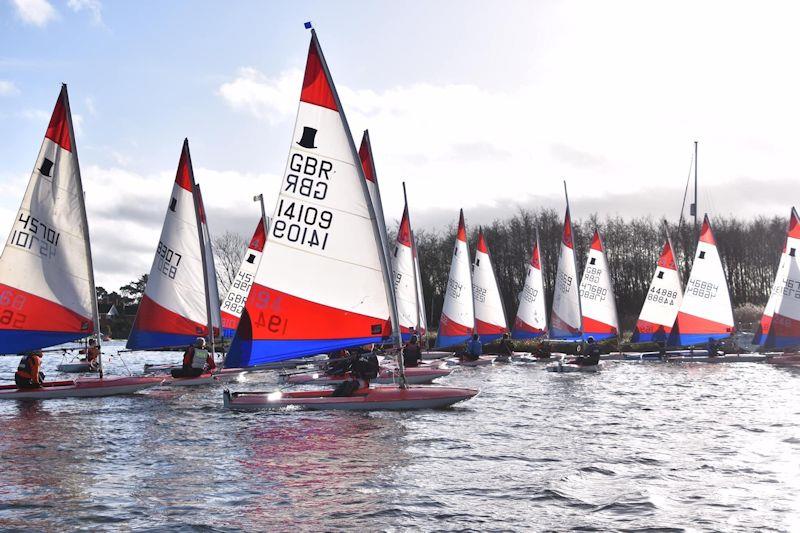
(229, 249)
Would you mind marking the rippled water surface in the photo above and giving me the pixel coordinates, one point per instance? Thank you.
(638, 446)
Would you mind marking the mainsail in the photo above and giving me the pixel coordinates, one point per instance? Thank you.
(423, 318)
(174, 307)
(458, 312)
(233, 305)
(490, 317)
(46, 278)
(781, 320)
(531, 320)
(371, 175)
(212, 287)
(565, 320)
(663, 300)
(598, 303)
(403, 270)
(706, 311)
(323, 282)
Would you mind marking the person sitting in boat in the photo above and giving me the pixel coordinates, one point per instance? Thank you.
(592, 354)
(542, 350)
(363, 368)
(712, 347)
(29, 374)
(339, 362)
(474, 349)
(412, 352)
(92, 354)
(196, 361)
(506, 346)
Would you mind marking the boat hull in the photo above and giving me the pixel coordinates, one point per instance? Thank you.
(571, 368)
(81, 388)
(387, 376)
(784, 360)
(484, 360)
(375, 399)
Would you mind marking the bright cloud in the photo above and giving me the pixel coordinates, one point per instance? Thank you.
(7, 88)
(93, 7)
(271, 99)
(35, 12)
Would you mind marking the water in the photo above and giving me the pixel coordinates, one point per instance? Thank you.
(636, 447)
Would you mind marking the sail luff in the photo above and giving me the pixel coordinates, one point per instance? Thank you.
(198, 211)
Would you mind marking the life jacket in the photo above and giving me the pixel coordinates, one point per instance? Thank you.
(25, 368)
(200, 358)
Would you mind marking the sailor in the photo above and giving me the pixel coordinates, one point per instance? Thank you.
(196, 361)
(506, 346)
(542, 351)
(474, 348)
(592, 356)
(363, 368)
(412, 353)
(28, 374)
(92, 354)
(712, 347)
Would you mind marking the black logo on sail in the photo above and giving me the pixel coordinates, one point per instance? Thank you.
(307, 140)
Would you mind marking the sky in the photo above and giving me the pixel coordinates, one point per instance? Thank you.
(482, 105)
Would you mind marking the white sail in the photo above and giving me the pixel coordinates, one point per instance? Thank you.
(663, 300)
(706, 310)
(598, 302)
(565, 321)
(490, 317)
(233, 305)
(458, 312)
(531, 320)
(403, 270)
(781, 321)
(212, 284)
(423, 318)
(46, 281)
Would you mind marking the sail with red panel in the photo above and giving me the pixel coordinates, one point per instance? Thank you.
(531, 320)
(46, 277)
(404, 272)
(458, 309)
(565, 319)
(781, 320)
(663, 300)
(422, 324)
(598, 302)
(706, 311)
(323, 282)
(371, 177)
(174, 308)
(233, 305)
(490, 316)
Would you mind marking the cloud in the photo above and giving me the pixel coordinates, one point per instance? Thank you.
(35, 12)
(94, 7)
(8, 88)
(271, 99)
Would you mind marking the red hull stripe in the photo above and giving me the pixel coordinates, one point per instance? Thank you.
(706, 235)
(404, 232)
(27, 312)
(183, 177)
(365, 155)
(58, 129)
(275, 315)
(484, 328)
(259, 238)
(153, 317)
(591, 325)
(667, 259)
(690, 324)
(316, 87)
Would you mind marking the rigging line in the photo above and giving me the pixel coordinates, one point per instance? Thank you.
(686, 191)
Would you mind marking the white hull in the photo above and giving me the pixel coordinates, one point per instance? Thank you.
(570, 368)
(82, 388)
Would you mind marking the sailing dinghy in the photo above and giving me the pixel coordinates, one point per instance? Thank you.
(566, 318)
(598, 303)
(706, 311)
(458, 310)
(324, 283)
(46, 273)
(233, 305)
(180, 301)
(531, 320)
(663, 301)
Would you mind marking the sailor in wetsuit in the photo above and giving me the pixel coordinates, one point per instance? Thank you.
(28, 374)
(474, 349)
(712, 347)
(506, 349)
(196, 361)
(412, 353)
(590, 355)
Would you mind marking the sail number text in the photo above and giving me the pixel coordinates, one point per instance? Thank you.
(167, 260)
(11, 305)
(702, 289)
(32, 234)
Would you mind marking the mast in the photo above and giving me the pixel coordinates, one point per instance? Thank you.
(694, 206)
(264, 220)
(574, 256)
(201, 237)
(413, 259)
(380, 233)
(87, 243)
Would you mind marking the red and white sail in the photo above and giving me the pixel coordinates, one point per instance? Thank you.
(46, 279)
(565, 320)
(423, 318)
(371, 176)
(173, 310)
(663, 300)
(490, 317)
(403, 269)
(598, 302)
(780, 325)
(706, 310)
(531, 320)
(212, 286)
(323, 282)
(458, 312)
(233, 305)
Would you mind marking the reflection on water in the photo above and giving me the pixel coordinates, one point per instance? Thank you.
(704, 447)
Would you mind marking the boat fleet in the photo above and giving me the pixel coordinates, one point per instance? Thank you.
(320, 276)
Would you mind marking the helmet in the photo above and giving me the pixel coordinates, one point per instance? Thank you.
(590, 339)
(199, 342)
